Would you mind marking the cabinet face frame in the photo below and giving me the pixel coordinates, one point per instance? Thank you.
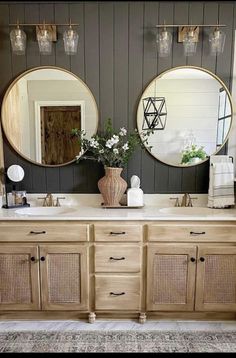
(31, 251)
(169, 249)
(46, 250)
(200, 305)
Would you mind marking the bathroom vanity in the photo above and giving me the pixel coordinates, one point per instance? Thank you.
(112, 263)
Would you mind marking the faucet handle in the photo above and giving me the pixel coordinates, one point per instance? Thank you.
(190, 203)
(44, 200)
(58, 200)
(176, 201)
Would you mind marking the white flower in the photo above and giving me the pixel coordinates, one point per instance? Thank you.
(109, 143)
(94, 143)
(123, 131)
(115, 151)
(101, 151)
(125, 147)
(114, 140)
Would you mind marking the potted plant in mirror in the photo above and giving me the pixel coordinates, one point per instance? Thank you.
(193, 154)
(113, 149)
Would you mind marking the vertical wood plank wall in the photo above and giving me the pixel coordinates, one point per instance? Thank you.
(117, 59)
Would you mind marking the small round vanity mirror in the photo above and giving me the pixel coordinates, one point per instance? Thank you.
(39, 111)
(15, 173)
(189, 113)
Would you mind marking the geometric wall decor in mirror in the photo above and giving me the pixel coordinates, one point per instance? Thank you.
(39, 111)
(189, 110)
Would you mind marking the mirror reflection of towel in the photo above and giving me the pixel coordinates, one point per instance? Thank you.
(221, 183)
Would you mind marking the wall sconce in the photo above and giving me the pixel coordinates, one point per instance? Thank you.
(164, 42)
(45, 34)
(154, 113)
(217, 41)
(189, 36)
(70, 38)
(44, 37)
(18, 40)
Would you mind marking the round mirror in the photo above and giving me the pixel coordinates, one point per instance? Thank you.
(188, 111)
(40, 109)
(15, 173)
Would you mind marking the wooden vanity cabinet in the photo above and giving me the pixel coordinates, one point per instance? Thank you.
(46, 273)
(47, 277)
(192, 273)
(171, 274)
(19, 277)
(118, 269)
(118, 266)
(64, 277)
(216, 278)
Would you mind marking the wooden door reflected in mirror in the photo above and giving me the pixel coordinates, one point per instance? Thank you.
(57, 145)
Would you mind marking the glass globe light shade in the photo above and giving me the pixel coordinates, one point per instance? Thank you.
(190, 46)
(164, 42)
(217, 41)
(18, 41)
(70, 38)
(44, 38)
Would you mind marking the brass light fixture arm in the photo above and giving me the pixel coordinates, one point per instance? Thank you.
(191, 25)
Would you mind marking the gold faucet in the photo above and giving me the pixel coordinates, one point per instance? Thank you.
(187, 200)
(48, 200)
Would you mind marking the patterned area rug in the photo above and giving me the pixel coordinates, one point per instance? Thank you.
(118, 341)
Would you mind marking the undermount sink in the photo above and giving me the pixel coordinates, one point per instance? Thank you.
(202, 211)
(45, 211)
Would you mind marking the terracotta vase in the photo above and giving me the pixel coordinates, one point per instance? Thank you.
(112, 186)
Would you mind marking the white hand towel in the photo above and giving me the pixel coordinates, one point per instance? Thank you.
(221, 185)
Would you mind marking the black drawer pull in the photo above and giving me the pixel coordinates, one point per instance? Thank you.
(117, 233)
(192, 259)
(42, 258)
(117, 294)
(197, 233)
(117, 258)
(37, 232)
(202, 259)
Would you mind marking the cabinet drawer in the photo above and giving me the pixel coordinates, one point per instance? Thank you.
(31, 231)
(117, 258)
(212, 233)
(117, 292)
(118, 232)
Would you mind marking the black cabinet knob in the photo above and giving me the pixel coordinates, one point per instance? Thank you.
(42, 258)
(32, 258)
(202, 259)
(192, 259)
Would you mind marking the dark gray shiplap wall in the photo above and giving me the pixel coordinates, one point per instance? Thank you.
(117, 59)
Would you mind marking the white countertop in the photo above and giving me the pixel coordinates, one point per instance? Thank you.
(147, 213)
(87, 207)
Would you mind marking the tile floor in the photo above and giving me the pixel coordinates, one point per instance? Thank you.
(116, 325)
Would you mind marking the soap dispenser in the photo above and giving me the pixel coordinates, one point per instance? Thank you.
(135, 193)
